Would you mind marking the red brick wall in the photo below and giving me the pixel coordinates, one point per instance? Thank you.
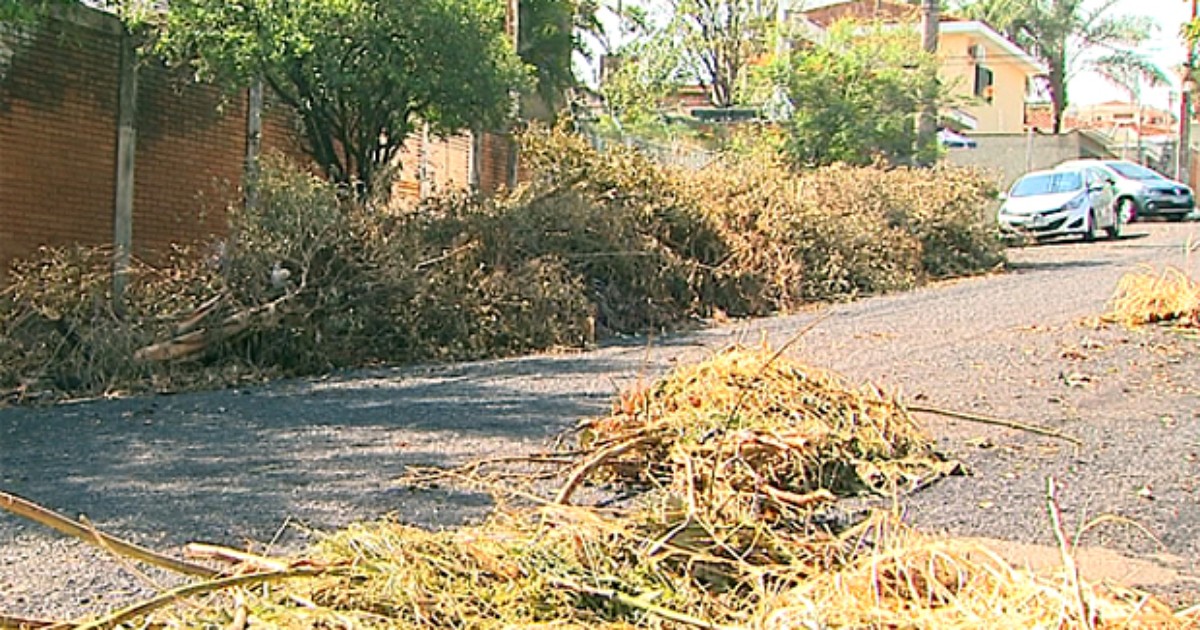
(58, 130)
(191, 149)
(58, 107)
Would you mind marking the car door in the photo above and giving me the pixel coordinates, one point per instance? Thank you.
(1101, 197)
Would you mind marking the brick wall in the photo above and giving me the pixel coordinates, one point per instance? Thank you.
(58, 108)
(442, 164)
(191, 147)
(58, 131)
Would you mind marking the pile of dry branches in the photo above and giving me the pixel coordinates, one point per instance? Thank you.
(734, 462)
(595, 244)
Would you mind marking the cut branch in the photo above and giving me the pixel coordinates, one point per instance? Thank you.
(38, 514)
(9, 622)
(121, 616)
(1011, 424)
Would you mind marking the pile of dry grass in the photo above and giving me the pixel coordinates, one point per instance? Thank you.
(714, 538)
(911, 580)
(842, 231)
(1147, 297)
(752, 436)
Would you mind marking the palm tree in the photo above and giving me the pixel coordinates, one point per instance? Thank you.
(1058, 31)
(1131, 72)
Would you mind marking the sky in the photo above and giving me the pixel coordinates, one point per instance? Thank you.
(1166, 48)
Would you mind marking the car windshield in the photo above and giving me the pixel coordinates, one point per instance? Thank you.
(1133, 171)
(1047, 184)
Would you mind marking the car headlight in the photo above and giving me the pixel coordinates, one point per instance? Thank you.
(1075, 203)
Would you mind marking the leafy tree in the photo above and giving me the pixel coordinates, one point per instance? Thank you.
(1059, 31)
(358, 73)
(719, 39)
(26, 10)
(646, 72)
(550, 34)
(856, 97)
(1130, 71)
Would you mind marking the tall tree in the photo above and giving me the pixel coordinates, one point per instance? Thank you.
(550, 35)
(720, 38)
(359, 73)
(1059, 32)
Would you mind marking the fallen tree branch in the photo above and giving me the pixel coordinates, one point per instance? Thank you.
(601, 456)
(9, 622)
(192, 321)
(114, 619)
(196, 341)
(32, 511)
(1000, 422)
(202, 551)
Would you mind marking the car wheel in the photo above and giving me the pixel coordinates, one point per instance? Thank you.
(1126, 210)
(1114, 231)
(1089, 234)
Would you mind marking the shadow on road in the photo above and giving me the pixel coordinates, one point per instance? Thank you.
(231, 466)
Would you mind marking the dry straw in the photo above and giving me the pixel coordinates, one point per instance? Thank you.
(735, 465)
(1148, 297)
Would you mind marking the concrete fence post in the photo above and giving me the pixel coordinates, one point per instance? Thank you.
(126, 148)
(254, 108)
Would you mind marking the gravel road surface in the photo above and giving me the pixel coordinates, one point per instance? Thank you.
(265, 464)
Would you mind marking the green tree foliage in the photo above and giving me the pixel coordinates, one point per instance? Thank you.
(550, 35)
(1059, 31)
(856, 97)
(719, 39)
(644, 73)
(26, 10)
(1130, 71)
(359, 73)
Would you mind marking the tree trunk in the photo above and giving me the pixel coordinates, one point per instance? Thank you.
(927, 116)
(1058, 92)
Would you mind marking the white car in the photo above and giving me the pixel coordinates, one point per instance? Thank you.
(1061, 202)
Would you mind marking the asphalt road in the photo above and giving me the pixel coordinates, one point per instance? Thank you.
(241, 466)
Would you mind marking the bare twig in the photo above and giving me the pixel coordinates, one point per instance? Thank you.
(125, 563)
(71, 527)
(241, 616)
(9, 622)
(1068, 557)
(202, 551)
(596, 460)
(446, 256)
(1011, 424)
(115, 619)
(798, 500)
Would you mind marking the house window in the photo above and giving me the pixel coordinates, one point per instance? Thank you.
(984, 80)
